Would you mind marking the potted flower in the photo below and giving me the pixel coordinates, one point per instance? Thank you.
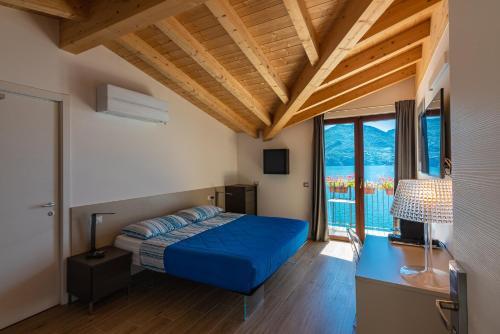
(388, 185)
(330, 182)
(341, 186)
(370, 188)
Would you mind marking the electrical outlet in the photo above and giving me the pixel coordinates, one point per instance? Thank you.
(98, 220)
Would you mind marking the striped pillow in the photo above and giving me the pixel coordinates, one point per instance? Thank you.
(199, 213)
(152, 227)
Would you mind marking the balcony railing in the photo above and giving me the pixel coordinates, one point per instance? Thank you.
(378, 200)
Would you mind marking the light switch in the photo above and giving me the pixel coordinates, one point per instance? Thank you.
(306, 184)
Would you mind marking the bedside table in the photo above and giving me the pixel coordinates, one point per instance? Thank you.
(93, 279)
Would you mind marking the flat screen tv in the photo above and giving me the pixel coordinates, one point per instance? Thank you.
(433, 137)
(276, 161)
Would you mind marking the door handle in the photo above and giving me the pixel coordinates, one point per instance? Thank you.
(48, 205)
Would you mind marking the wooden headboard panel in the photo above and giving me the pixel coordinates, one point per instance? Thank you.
(129, 211)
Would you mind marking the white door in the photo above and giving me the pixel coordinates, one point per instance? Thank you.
(29, 228)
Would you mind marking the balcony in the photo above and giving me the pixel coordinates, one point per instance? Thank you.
(341, 202)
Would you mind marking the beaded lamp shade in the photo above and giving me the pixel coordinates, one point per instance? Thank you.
(424, 201)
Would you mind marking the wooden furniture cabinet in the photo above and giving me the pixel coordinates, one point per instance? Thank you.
(386, 302)
(241, 198)
(93, 279)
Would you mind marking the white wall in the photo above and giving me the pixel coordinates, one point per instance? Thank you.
(114, 158)
(475, 121)
(280, 195)
(285, 195)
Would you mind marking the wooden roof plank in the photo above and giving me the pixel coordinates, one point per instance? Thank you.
(371, 74)
(108, 20)
(235, 27)
(177, 33)
(399, 11)
(356, 18)
(355, 94)
(379, 52)
(66, 9)
(305, 30)
(156, 60)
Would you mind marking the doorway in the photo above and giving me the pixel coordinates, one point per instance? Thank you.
(33, 200)
(359, 171)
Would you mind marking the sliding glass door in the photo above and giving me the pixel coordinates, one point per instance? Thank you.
(359, 170)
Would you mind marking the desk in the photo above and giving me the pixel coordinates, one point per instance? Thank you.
(387, 303)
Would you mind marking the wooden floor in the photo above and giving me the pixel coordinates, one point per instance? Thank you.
(312, 293)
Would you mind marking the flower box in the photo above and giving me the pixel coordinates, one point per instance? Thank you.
(389, 191)
(369, 191)
(341, 189)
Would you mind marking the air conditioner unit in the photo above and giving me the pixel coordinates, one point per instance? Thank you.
(126, 103)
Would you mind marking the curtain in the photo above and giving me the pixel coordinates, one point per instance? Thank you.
(406, 165)
(319, 227)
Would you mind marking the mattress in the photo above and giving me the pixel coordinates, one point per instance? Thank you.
(238, 256)
(130, 244)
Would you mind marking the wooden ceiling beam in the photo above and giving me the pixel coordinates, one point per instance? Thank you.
(352, 23)
(237, 30)
(148, 54)
(398, 12)
(373, 73)
(172, 28)
(355, 94)
(380, 52)
(305, 30)
(108, 20)
(67, 9)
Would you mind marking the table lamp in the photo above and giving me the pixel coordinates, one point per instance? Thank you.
(428, 202)
(95, 253)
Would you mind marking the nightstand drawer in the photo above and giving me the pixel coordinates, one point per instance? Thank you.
(107, 286)
(111, 269)
(111, 277)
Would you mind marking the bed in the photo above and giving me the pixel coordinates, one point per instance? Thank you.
(229, 251)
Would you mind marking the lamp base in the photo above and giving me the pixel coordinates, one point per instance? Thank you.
(431, 278)
(96, 254)
(406, 271)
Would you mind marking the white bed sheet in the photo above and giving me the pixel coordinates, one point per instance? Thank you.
(130, 244)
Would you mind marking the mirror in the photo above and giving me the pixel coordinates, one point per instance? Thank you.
(432, 123)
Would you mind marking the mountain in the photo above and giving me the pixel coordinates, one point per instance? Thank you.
(339, 145)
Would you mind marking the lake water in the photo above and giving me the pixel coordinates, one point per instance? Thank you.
(372, 173)
(377, 205)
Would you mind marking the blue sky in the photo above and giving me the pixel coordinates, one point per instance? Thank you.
(383, 125)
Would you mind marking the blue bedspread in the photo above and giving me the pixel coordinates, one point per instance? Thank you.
(237, 256)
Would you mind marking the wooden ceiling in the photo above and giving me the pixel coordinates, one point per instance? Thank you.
(259, 65)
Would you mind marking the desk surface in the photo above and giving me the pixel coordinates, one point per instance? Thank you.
(381, 261)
